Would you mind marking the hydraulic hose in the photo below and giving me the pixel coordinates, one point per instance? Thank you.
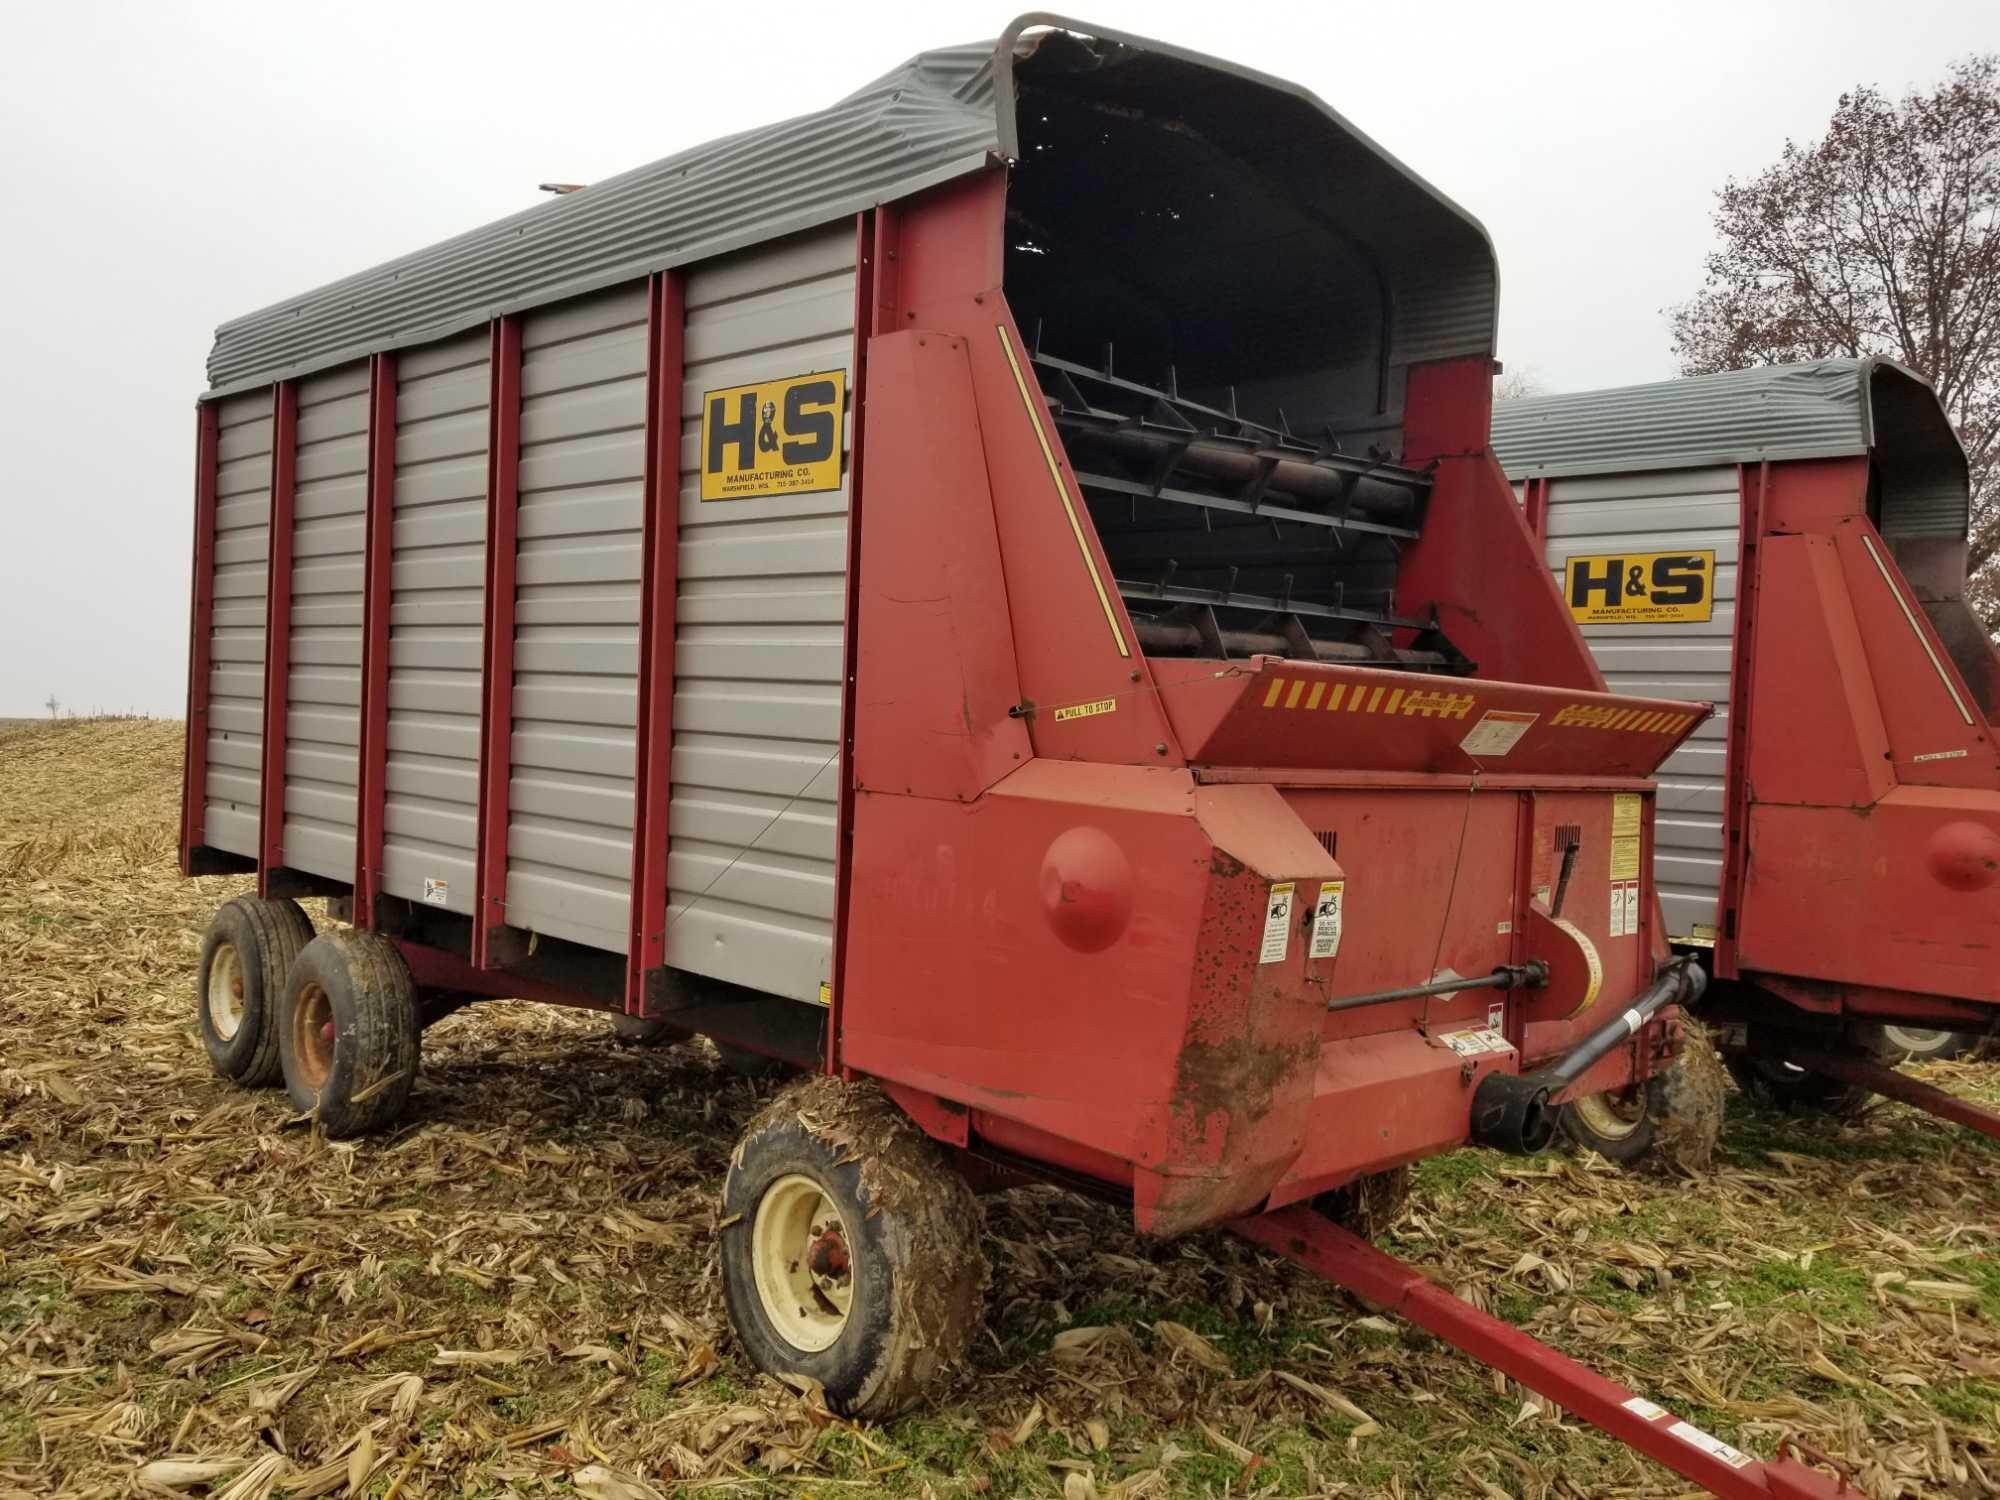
(1511, 1111)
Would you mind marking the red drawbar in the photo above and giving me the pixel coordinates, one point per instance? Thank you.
(277, 631)
(201, 624)
(1327, 1250)
(666, 317)
(377, 549)
(496, 725)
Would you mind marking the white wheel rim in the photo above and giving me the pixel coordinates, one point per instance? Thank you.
(804, 1262)
(1612, 1117)
(224, 995)
(1913, 1038)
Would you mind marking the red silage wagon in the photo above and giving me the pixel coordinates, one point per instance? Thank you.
(995, 593)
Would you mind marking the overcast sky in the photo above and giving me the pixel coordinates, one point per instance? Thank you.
(170, 165)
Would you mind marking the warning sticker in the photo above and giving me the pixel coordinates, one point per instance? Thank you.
(1625, 815)
(779, 437)
(1624, 909)
(825, 993)
(436, 892)
(1625, 857)
(1714, 1447)
(1277, 924)
(1087, 710)
(1498, 731)
(1475, 1043)
(1639, 1406)
(1326, 920)
(1640, 588)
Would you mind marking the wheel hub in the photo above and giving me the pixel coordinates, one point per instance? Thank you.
(803, 1263)
(1615, 1115)
(223, 997)
(313, 1034)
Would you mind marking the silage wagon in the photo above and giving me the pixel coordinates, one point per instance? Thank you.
(1790, 544)
(995, 592)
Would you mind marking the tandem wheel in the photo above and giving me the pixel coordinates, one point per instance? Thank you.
(850, 1249)
(347, 1033)
(239, 978)
(1670, 1121)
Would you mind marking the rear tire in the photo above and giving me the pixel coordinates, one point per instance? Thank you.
(850, 1249)
(239, 979)
(348, 1032)
(1917, 1044)
(1763, 1073)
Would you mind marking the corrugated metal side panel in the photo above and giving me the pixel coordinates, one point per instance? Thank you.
(757, 650)
(437, 566)
(236, 638)
(576, 618)
(1695, 509)
(323, 690)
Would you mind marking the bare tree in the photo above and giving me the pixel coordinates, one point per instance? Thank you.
(54, 706)
(1882, 237)
(1519, 385)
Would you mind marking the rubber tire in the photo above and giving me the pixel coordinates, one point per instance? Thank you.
(267, 935)
(376, 1031)
(1682, 1120)
(914, 1231)
(1939, 1046)
(644, 1031)
(1798, 1092)
(1369, 1206)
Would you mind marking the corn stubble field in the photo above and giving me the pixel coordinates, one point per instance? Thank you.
(516, 1292)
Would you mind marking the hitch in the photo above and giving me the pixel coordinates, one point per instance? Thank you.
(1511, 1111)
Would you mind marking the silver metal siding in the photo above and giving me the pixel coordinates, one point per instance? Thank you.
(758, 648)
(576, 618)
(236, 634)
(323, 669)
(1696, 509)
(437, 590)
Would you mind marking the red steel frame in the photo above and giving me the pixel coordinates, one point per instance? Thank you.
(496, 723)
(666, 320)
(378, 550)
(277, 632)
(201, 625)
(1752, 484)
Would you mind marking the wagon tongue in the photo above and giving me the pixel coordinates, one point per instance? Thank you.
(1271, 713)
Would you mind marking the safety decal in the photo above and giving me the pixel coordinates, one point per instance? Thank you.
(825, 993)
(1367, 698)
(1611, 716)
(1624, 908)
(1940, 755)
(1640, 588)
(1277, 923)
(1474, 1043)
(1625, 810)
(1326, 920)
(436, 892)
(778, 437)
(1639, 1406)
(1714, 1447)
(1498, 731)
(1087, 710)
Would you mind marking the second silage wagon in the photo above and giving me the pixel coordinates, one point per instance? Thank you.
(1791, 545)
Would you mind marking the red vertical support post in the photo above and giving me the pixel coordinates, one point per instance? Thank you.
(1753, 489)
(877, 247)
(1535, 501)
(201, 624)
(277, 631)
(496, 719)
(378, 549)
(666, 317)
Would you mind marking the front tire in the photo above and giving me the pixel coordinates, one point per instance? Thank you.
(1668, 1122)
(239, 979)
(850, 1249)
(348, 1032)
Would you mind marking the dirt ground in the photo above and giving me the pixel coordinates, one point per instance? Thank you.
(515, 1291)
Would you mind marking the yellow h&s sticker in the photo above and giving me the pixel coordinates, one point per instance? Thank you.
(778, 437)
(1640, 588)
